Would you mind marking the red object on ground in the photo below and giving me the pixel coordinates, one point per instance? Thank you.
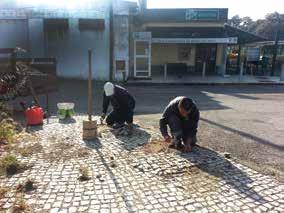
(34, 116)
(3, 89)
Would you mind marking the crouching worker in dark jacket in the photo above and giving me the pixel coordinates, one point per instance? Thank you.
(123, 106)
(182, 116)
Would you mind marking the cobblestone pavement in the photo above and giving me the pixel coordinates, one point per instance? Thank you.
(125, 178)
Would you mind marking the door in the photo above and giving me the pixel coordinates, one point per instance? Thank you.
(206, 53)
(142, 59)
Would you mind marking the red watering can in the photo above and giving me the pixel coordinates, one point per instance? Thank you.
(34, 116)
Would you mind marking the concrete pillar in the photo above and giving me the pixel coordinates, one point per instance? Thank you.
(221, 59)
(36, 37)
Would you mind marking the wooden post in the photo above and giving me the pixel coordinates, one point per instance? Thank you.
(90, 127)
(90, 95)
(111, 42)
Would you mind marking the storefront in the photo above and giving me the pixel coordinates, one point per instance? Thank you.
(181, 42)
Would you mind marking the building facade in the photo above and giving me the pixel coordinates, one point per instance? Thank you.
(128, 40)
(61, 31)
(180, 41)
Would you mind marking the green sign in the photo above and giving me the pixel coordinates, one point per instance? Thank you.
(202, 14)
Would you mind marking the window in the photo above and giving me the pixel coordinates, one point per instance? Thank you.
(92, 24)
(55, 29)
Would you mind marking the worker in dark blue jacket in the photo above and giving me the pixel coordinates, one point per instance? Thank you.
(123, 105)
(182, 116)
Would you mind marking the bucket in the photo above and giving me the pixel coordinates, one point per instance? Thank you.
(89, 130)
(65, 110)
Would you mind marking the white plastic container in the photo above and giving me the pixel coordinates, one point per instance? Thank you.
(66, 106)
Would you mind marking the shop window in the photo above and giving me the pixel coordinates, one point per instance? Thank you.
(184, 52)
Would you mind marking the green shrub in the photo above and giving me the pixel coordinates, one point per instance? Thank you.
(7, 131)
(9, 164)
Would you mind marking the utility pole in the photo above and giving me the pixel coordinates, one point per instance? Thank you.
(111, 41)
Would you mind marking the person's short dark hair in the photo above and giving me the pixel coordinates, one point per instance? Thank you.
(187, 104)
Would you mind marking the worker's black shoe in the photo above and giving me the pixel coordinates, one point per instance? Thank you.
(172, 146)
(179, 145)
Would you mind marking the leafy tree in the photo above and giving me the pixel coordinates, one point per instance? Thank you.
(235, 21)
(267, 27)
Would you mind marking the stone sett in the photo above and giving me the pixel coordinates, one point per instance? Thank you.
(200, 181)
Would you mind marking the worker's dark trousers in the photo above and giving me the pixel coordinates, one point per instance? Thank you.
(182, 129)
(120, 116)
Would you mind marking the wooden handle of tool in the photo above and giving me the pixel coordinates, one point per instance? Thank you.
(90, 96)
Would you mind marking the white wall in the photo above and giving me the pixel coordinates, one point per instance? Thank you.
(71, 52)
(168, 53)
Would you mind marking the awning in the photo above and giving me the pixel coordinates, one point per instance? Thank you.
(187, 32)
(231, 40)
(243, 36)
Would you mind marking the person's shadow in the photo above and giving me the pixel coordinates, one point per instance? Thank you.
(138, 138)
(219, 167)
(93, 144)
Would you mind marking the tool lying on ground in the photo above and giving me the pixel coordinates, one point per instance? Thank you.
(90, 126)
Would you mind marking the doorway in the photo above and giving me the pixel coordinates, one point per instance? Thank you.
(206, 53)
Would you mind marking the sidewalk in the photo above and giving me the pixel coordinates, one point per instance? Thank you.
(210, 80)
(126, 178)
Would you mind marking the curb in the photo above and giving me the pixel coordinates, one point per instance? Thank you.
(202, 84)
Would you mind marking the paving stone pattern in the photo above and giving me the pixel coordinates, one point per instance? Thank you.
(123, 178)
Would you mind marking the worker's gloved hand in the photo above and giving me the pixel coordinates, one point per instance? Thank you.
(103, 116)
(167, 138)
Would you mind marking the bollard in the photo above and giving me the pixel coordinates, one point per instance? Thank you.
(165, 71)
(282, 72)
(203, 69)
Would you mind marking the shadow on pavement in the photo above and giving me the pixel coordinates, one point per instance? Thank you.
(139, 137)
(97, 145)
(246, 135)
(67, 121)
(216, 165)
(93, 144)
(31, 129)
